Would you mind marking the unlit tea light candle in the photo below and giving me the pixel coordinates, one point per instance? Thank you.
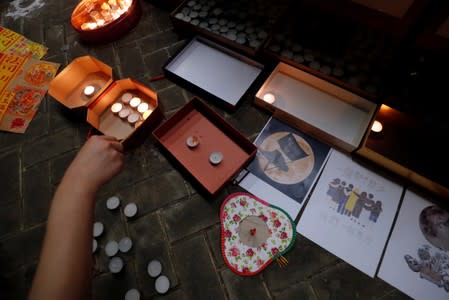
(116, 108)
(126, 97)
(132, 294)
(89, 90)
(130, 210)
(112, 202)
(124, 113)
(162, 284)
(115, 265)
(133, 118)
(98, 229)
(125, 244)
(111, 248)
(154, 268)
(135, 101)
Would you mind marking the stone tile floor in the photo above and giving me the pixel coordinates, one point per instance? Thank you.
(175, 223)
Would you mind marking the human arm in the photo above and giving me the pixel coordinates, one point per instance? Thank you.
(65, 266)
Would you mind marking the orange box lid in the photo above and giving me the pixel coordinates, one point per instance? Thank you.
(68, 86)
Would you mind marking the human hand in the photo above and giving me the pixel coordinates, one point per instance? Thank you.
(100, 159)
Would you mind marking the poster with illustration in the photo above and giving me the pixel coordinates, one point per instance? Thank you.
(350, 212)
(24, 82)
(286, 166)
(416, 260)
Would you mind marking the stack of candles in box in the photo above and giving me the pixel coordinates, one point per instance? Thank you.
(132, 109)
(107, 12)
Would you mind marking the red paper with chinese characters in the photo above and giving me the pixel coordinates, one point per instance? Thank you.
(24, 82)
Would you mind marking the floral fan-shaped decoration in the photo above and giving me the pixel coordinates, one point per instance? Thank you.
(253, 233)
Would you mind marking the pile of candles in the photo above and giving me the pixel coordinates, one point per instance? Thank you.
(108, 11)
(132, 109)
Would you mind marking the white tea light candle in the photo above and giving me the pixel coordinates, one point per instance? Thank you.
(125, 244)
(377, 126)
(89, 90)
(132, 294)
(115, 264)
(94, 245)
(154, 268)
(270, 98)
(162, 284)
(112, 202)
(133, 118)
(116, 108)
(143, 107)
(124, 113)
(130, 210)
(135, 101)
(98, 229)
(126, 97)
(111, 248)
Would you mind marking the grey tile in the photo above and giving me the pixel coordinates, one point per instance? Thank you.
(214, 240)
(10, 168)
(179, 216)
(18, 284)
(195, 269)
(114, 286)
(158, 41)
(304, 260)
(301, 290)
(54, 38)
(131, 62)
(154, 193)
(151, 243)
(59, 165)
(172, 98)
(173, 295)
(21, 249)
(37, 194)
(48, 147)
(242, 287)
(9, 218)
(344, 281)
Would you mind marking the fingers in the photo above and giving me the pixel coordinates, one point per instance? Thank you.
(117, 146)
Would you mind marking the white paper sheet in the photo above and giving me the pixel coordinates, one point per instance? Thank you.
(414, 264)
(351, 227)
(214, 71)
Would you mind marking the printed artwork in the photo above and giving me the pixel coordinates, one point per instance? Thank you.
(288, 159)
(14, 43)
(23, 84)
(286, 166)
(416, 260)
(350, 212)
(351, 201)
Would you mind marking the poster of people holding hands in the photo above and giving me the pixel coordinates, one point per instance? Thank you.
(350, 212)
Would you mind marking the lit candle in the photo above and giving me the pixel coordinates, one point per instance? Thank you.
(100, 22)
(85, 26)
(112, 2)
(143, 107)
(105, 6)
(377, 126)
(135, 101)
(89, 90)
(116, 108)
(270, 98)
(147, 114)
(95, 15)
(138, 123)
(133, 118)
(124, 113)
(92, 25)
